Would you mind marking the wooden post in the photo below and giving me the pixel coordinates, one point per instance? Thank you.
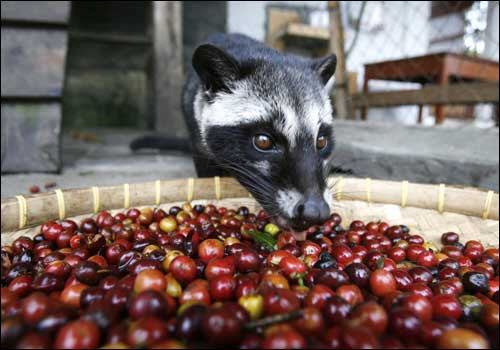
(497, 114)
(337, 46)
(442, 80)
(364, 109)
(167, 67)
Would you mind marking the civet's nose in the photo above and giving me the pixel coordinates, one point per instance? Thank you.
(312, 210)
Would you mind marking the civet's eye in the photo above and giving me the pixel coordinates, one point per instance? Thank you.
(262, 142)
(321, 142)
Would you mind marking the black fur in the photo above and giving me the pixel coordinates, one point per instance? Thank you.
(280, 80)
(223, 50)
(215, 68)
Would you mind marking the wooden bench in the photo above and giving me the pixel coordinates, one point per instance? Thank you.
(455, 79)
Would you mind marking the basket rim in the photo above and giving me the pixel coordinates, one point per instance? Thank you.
(57, 204)
(51, 192)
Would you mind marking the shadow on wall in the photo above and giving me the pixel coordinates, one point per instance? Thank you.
(105, 99)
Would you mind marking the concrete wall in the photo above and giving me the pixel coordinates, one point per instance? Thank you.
(485, 113)
(447, 27)
(491, 48)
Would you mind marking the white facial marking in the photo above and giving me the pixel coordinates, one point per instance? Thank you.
(287, 200)
(317, 114)
(230, 109)
(243, 106)
(291, 126)
(263, 166)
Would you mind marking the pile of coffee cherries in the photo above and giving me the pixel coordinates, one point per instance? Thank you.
(201, 276)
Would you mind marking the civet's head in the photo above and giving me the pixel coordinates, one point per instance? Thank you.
(269, 122)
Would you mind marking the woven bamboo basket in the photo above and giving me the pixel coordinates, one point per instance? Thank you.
(428, 210)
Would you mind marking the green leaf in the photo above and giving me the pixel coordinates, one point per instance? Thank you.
(380, 262)
(264, 239)
(300, 280)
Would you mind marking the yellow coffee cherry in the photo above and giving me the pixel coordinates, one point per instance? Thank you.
(254, 304)
(461, 338)
(431, 247)
(440, 256)
(275, 280)
(149, 248)
(174, 288)
(127, 222)
(405, 265)
(272, 229)
(230, 241)
(168, 224)
(182, 216)
(187, 305)
(146, 216)
(402, 244)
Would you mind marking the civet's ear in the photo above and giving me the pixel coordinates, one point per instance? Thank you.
(325, 67)
(215, 67)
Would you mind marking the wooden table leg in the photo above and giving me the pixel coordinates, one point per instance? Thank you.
(420, 114)
(469, 112)
(497, 115)
(439, 114)
(365, 90)
(442, 80)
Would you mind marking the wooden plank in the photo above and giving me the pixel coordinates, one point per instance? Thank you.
(30, 136)
(168, 74)
(312, 40)
(427, 68)
(33, 61)
(96, 55)
(56, 12)
(463, 93)
(471, 69)
(424, 69)
(111, 38)
(277, 21)
(306, 31)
